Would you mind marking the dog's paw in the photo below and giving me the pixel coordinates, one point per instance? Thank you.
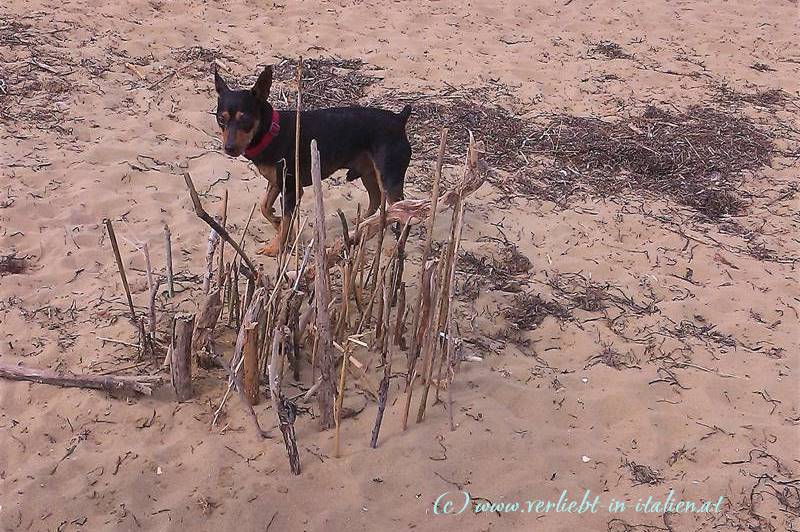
(270, 250)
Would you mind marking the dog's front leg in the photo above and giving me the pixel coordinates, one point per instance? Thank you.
(279, 241)
(267, 201)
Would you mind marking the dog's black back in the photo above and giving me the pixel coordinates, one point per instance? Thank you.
(342, 133)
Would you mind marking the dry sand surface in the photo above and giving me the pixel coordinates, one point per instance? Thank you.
(651, 344)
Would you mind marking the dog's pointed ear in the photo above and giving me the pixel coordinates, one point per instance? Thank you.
(263, 84)
(219, 83)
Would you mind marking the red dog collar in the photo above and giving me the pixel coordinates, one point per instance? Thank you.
(254, 150)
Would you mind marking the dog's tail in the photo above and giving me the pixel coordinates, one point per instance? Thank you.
(404, 114)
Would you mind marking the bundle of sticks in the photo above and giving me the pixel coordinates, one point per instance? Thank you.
(347, 307)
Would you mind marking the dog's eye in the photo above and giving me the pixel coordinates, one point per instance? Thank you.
(245, 121)
(220, 120)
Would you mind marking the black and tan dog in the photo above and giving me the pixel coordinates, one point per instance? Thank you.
(370, 143)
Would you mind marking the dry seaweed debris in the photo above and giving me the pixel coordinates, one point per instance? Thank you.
(327, 81)
(704, 332)
(34, 73)
(695, 157)
(613, 359)
(503, 133)
(592, 296)
(11, 264)
(199, 58)
(762, 67)
(527, 311)
(643, 474)
(609, 49)
(770, 98)
(500, 271)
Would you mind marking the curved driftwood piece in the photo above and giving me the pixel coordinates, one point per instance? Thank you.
(142, 384)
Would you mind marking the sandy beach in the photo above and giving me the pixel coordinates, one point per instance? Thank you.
(627, 298)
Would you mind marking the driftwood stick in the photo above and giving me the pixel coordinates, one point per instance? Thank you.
(250, 365)
(120, 267)
(322, 300)
(426, 251)
(152, 308)
(144, 338)
(339, 404)
(233, 297)
(284, 408)
(234, 380)
(262, 434)
(400, 320)
(224, 222)
(447, 280)
(250, 315)
(168, 245)
(376, 262)
(142, 384)
(297, 196)
(447, 299)
(294, 334)
(204, 324)
(181, 365)
(153, 285)
(213, 241)
(449, 354)
(221, 231)
(431, 338)
(383, 390)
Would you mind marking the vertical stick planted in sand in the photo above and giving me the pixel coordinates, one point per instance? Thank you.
(339, 403)
(233, 300)
(430, 346)
(296, 211)
(250, 364)
(120, 267)
(152, 285)
(181, 366)
(168, 244)
(144, 339)
(383, 390)
(213, 240)
(221, 266)
(447, 282)
(400, 321)
(448, 353)
(426, 251)
(322, 295)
